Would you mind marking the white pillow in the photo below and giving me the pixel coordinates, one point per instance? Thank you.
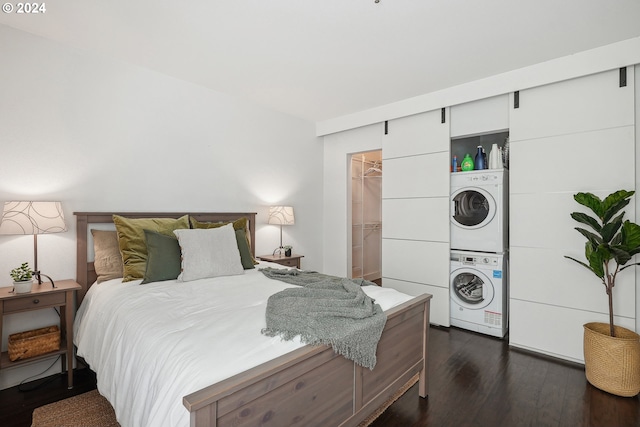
(209, 252)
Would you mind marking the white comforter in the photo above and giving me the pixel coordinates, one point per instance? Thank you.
(151, 345)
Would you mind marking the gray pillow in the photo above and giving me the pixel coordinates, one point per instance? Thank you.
(208, 252)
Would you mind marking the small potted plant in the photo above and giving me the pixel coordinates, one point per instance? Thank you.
(22, 278)
(287, 250)
(611, 353)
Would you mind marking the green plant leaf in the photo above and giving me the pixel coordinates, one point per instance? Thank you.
(614, 202)
(610, 229)
(588, 220)
(591, 237)
(582, 264)
(630, 265)
(605, 252)
(630, 235)
(620, 254)
(617, 240)
(596, 262)
(596, 257)
(614, 209)
(634, 252)
(591, 201)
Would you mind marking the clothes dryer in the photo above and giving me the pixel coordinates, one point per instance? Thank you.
(479, 292)
(479, 210)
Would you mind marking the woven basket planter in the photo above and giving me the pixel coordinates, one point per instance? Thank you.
(611, 363)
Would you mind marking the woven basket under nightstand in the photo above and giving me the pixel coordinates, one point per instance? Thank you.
(24, 345)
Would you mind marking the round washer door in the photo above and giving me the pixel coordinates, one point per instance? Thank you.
(471, 288)
(472, 208)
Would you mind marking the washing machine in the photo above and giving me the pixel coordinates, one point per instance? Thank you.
(479, 210)
(479, 292)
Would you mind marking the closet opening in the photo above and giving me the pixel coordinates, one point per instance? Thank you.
(366, 216)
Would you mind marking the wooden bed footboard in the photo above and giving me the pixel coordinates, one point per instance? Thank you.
(313, 386)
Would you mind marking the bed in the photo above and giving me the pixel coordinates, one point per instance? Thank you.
(302, 385)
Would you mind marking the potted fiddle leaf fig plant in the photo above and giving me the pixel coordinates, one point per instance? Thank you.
(611, 353)
(22, 278)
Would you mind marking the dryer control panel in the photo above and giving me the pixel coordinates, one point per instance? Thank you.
(478, 177)
(475, 259)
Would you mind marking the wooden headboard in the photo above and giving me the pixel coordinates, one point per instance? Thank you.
(85, 272)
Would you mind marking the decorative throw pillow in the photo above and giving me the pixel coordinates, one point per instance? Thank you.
(245, 252)
(133, 246)
(209, 252)
(238, 224)
(107, 260)
(163, 257)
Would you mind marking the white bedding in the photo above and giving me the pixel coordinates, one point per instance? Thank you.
(150, 345)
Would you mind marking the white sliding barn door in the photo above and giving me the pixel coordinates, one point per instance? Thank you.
(415, 209)
(568, 137)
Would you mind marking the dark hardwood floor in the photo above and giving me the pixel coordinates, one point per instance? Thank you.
(16, 405)
(475, 381)
(479, 381)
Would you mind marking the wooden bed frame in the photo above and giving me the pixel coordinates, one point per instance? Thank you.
(311, 386)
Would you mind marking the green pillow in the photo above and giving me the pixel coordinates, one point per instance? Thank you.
(238, 224)
(245, 252)
(163, 257)
(132, 244)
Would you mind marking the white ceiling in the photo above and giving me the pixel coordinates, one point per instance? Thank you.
(324, 59)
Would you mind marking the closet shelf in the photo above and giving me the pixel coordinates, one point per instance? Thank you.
(372, 225)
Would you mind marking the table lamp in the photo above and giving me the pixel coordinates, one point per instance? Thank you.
(281, 215)
(33, 218)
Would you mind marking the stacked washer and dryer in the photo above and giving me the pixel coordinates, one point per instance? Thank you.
(479, 251)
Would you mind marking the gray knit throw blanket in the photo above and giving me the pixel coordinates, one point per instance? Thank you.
(326, 310)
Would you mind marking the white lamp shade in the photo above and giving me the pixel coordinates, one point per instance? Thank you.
(32, 218)
(281, 215)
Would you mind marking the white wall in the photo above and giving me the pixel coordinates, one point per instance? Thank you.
(101, 135)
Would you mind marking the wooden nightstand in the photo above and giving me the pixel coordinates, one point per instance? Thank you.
(289, 261)
(41, 297)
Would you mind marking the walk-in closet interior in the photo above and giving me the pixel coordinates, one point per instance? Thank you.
(366, 215)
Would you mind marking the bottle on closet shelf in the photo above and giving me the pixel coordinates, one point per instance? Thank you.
(495, 157)
(454, 165)
(484, 159)
(467, 163)
(479, 161)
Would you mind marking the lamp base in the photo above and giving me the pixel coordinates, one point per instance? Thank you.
(38, 275)
(278, 251)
